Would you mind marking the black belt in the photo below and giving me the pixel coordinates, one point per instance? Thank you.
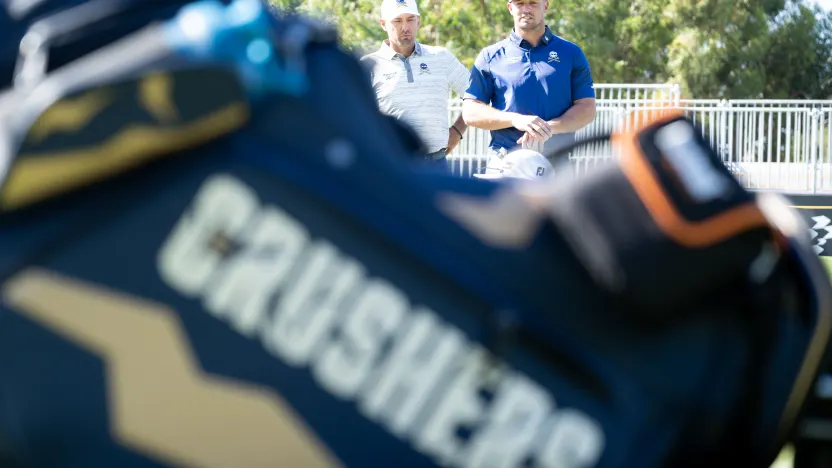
(437, 155)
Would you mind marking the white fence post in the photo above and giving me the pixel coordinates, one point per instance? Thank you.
(815, 147)
(769, 144)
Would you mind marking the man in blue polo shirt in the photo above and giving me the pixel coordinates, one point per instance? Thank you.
(533, 89)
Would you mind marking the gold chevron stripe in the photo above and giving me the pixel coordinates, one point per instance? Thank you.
(156, 97)
(36, 177)
(70, 114)
(161, 404)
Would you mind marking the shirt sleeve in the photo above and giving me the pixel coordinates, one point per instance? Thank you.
(582, 84)
(481, 83)
(458, 75)
(368, 65)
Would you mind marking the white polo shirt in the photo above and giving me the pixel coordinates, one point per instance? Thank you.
(416, 89)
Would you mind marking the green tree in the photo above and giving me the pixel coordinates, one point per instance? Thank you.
(798, 60)
(713, 48)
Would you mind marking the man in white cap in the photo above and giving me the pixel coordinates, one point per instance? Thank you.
(519, 164)
(412, 81)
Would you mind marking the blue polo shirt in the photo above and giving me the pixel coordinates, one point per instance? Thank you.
(545, 80)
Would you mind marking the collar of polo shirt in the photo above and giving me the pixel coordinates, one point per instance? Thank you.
(522, 43)
(391, 54)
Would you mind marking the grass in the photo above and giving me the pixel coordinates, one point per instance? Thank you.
(828, 262)
(786, 458)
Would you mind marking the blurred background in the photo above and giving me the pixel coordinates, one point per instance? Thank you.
(755, 75)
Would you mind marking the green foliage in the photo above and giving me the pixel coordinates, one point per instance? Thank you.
(714, 48)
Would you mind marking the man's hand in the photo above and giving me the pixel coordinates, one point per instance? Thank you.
(527, 141)
(453, 140)
(536, 129)
(581, 114)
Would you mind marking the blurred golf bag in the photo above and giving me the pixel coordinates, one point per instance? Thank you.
(215, 252)
(813, 438)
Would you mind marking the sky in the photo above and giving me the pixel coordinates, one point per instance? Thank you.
(825, 4)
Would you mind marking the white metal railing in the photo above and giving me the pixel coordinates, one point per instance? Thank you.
(769, 144)
(642, 94)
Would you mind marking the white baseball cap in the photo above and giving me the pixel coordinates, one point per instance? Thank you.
(393, 8)
(519, 164)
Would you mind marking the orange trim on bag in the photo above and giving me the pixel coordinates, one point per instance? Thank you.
(645, 182)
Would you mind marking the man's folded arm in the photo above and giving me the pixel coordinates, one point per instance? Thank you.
(480, 115)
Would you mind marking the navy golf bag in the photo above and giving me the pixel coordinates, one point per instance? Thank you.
(216, 252)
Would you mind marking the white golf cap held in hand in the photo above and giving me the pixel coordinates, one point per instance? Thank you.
(519, 164)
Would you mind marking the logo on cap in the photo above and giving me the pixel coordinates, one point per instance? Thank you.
(401, 2)
(540, 171)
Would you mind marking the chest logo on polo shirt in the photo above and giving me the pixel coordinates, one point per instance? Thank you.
(553, 57)
(423, 68)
